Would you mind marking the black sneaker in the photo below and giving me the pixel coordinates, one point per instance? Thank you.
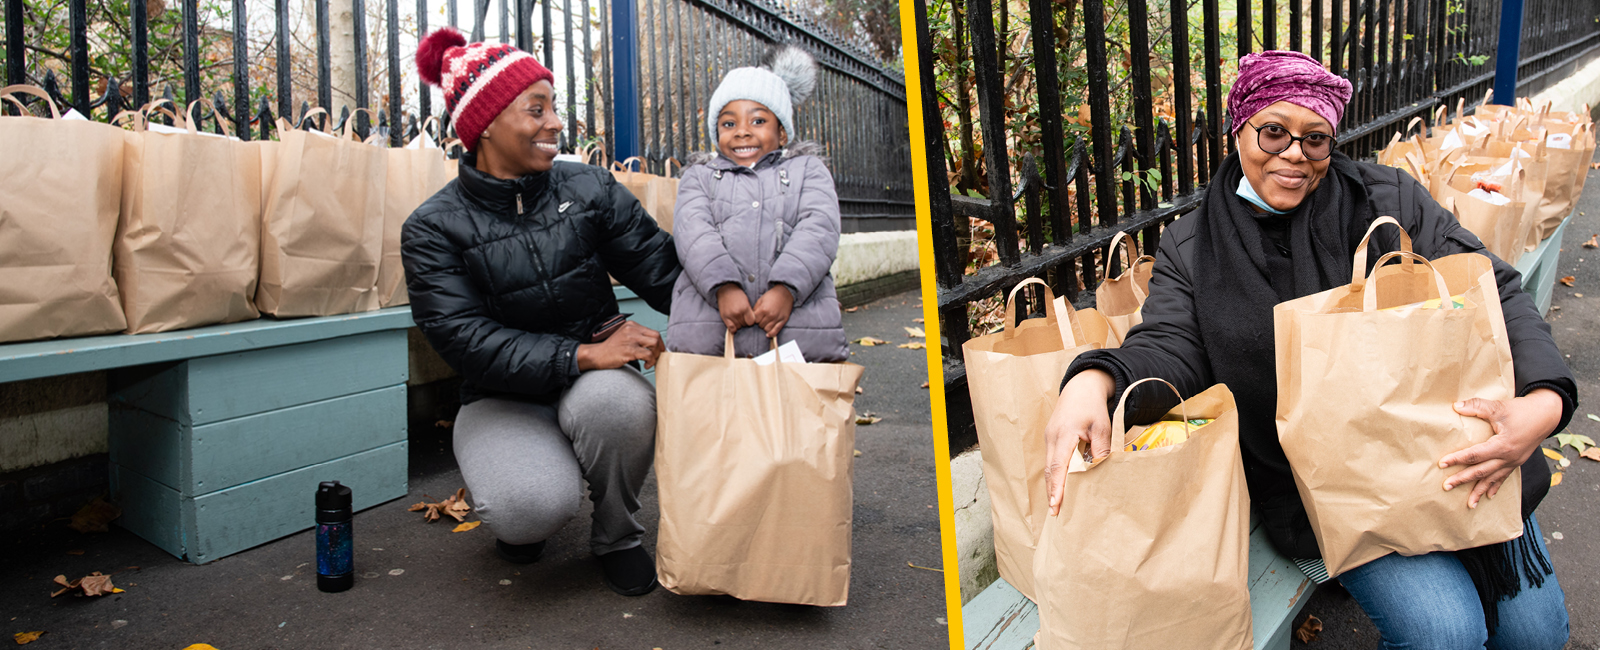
(630, 572)
(519, 553)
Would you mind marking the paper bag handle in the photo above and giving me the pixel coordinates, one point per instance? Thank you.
(1119, 427)
(1049, 311)
(727, 346)
(1358, 266)
(349, 128)
(668, 164)
(1369, 293)
(55, 112)
(226, 127)
(622, 165)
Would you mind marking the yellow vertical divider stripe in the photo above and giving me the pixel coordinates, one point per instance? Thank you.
(930, 318)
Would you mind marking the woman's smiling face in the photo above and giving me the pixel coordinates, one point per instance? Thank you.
(1286, 178)
(524, 137)
(747, 130)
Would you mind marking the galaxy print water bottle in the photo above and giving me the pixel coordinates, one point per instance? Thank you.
(335, 550)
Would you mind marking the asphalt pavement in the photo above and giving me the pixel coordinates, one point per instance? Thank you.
(421, 586)
(1570, 515)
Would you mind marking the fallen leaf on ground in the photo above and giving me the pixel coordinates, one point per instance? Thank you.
(445, 424)
(924, 568)
(24, 638)
(466, 527)
(200, 646)
(852, 309)
(1308, 631)
(1555, 479)
(916, 320)
(859, 391)
(1576, 441)
(1594, 165)
(1594, 242)
(867, 418)
(95, 516)
(915, 332)
(1569, 280)
(1594, 417)
(924, 385)
(1577, 295)
(455, 507)
(1551, 453)
(870, 341)
(94, 584)
(76, 551)
(1564, 463)
(914, 345)
(1592, 453)
(858, 453)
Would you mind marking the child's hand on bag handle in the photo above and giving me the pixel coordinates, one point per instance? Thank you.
(1081, 415)
(631, 342)
(773, 308)
(734, 307)
(1520, 424)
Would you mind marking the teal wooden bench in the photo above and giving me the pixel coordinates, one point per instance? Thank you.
(1539, 268)
(1001, 618)
(219, 435)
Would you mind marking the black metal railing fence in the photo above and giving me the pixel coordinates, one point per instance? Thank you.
(858, 112)
(1048, 202)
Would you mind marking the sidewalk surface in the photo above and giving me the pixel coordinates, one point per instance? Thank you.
(421, 586)
(1572, 510)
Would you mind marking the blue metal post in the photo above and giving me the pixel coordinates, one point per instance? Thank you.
(625, 77)
(1508, 53)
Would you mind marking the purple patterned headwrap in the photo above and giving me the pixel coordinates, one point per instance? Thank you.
(1279, 76)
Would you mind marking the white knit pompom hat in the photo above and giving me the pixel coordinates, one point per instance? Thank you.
(781, 83)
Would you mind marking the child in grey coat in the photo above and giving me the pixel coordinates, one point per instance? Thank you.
(757, 225)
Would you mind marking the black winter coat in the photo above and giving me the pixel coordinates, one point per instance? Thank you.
(1168, 343)
(507, 277)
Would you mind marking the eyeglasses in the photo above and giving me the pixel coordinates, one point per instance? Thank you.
(1275, 139)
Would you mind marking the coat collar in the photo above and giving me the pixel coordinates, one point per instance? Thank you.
(500, 195)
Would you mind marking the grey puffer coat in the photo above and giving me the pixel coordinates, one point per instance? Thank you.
(776, 223)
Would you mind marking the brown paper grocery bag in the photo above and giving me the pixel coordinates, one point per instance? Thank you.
(414, 173)
(189, 237)
(1501, 228)
(322, 223)
(1119, 299)
(60, 188)
(1014, 377)
(1367, 379)
(1151, 549)
(658, 194)
(753, 465)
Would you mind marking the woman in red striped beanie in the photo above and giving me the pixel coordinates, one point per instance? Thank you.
(507, 271)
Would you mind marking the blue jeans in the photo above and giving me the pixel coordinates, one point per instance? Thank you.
(1428, 602)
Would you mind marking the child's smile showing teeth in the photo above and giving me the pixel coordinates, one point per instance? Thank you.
(747, 130)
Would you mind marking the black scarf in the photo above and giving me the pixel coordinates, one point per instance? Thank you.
(1242, 265)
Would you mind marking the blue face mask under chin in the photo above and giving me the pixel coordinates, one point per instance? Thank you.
(1247, 192)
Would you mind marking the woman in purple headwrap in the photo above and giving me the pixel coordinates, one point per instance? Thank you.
(1281, 219)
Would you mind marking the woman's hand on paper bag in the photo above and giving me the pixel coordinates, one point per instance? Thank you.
(631, 342)
(1519, 424)
(1080, 416)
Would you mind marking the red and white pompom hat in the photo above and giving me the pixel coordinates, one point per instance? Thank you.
(478, 80)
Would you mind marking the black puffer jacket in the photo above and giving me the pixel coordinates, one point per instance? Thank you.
(508, 277)
(1168, 343)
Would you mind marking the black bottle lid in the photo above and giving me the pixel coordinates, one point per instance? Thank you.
(333, 502)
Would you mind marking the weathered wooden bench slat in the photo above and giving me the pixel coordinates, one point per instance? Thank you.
(35, 359)
(1001, 618)
(196, 460)
(214, 525)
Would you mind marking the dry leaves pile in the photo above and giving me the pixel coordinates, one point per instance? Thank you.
(1309, 630)
(94, 584)
(454, 507)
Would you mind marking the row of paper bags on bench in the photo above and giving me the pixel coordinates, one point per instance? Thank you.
(1160, 534)
(1510, 174)
(155, 228)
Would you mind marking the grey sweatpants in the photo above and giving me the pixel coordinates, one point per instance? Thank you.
(525, 464)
